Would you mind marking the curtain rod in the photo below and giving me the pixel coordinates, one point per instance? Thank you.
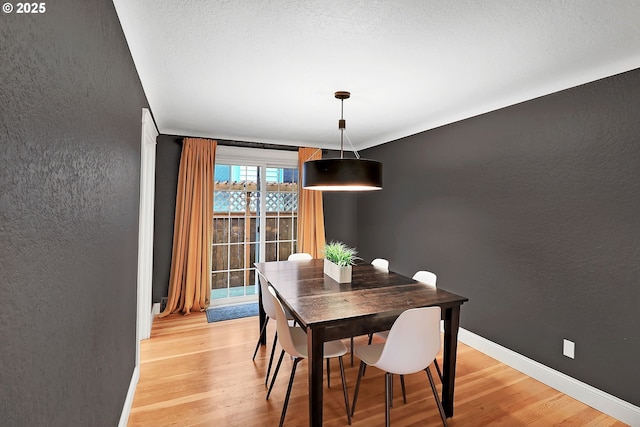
(178, 139)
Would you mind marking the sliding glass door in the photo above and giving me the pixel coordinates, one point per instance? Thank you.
(255, 218)
(281, 214)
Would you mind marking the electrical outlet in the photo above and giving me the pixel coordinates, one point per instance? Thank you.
(569, 349)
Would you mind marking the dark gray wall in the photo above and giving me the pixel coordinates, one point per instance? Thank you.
(340, 217)
(531, 212)
(168, 150)
(70, 113)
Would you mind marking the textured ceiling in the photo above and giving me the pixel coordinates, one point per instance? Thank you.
(266, 70)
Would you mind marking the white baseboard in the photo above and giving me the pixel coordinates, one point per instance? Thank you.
(126, 410)
(603, 402)
(155, 310)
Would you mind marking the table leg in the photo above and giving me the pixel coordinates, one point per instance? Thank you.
(315, 341)
(451, 324)
(262, 316)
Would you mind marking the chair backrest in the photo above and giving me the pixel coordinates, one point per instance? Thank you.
(425, 277)
(381, 263)
(267, 301)
(282, 326)
(413, 341)
(300, 256)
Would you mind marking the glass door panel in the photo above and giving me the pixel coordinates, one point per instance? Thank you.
(281, 213)
(235, 213)
(237, 219)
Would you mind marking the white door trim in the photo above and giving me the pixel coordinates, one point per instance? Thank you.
(144, 313)
(145, 233)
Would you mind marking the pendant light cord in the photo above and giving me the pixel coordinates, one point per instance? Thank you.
(313, 154)
(352, 147)
(341, 125)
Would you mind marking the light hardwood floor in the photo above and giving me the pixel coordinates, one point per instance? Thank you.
(195, 373)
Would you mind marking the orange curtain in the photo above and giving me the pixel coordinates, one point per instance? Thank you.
(190, 277)
(311, 237)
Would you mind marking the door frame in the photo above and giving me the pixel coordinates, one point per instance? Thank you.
(145, 229)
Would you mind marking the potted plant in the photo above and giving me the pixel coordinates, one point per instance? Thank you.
(338, 259)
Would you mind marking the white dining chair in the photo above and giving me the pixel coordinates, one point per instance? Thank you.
(381, 263)
(294, 342)
(422, 276)
(270, 311)
(299, 256)
(428, 278)
(411, 346)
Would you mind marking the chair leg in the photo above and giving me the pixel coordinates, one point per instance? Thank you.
(328, 374)
(286, 399)
(435, 361)
(435, 395)
(344, 389)
(355, 393)
(264, 326)
(387, 394)
(273, 351)
(404, 391)
(352, 352)
(275, 374)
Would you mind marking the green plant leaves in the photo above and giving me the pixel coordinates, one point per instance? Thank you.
(340, 254)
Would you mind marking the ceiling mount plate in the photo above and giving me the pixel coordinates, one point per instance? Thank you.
(341, 94)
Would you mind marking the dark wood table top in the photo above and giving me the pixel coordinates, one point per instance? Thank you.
(318, 299)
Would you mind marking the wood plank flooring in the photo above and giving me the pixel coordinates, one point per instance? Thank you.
(195, 373)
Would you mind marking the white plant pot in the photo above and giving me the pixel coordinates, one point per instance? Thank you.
(337, 273)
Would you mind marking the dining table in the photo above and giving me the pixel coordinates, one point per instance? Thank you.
(371, 302)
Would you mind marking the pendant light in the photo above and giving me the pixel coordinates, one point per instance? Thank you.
(342, 174)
